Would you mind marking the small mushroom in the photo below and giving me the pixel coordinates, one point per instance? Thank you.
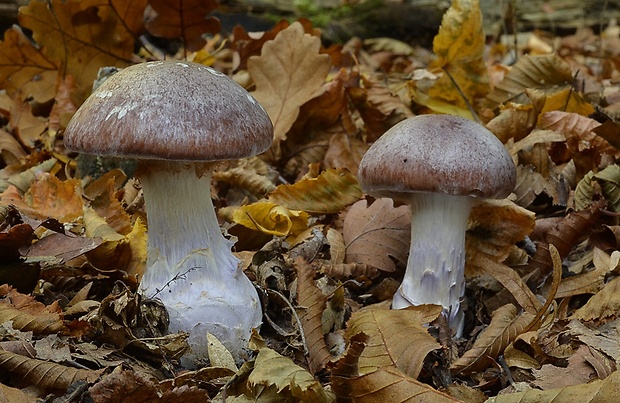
(177, 118)
(437, 164)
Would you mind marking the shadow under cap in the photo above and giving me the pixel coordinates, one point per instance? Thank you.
(171, 110)
(439, 154)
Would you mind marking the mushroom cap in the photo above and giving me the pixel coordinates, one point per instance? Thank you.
(440, 154)
(170, 110)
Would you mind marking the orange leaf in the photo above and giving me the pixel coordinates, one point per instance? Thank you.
(24, 70)
(51, 197)
(79, 36)
(288, 73)
(185, 19)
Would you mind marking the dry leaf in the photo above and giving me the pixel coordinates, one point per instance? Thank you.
(183, 19)
(29, 315)
(396, 338)
(46, 375)
(50, 197)
(311, 303)
(81, 36)
(377, 233)
(535, 72)
(459, 47)
(290, 380)
(271, 218)
(603, 390)
(603, 306)
(505, 326)
(382, 385)
(329, 193)
(288, 73)
(25, 70)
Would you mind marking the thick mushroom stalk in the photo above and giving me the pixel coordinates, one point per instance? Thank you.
(436, 265)
(190, 266)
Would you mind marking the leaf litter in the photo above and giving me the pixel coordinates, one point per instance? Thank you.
(542, 265)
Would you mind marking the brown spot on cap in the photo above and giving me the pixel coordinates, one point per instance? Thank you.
(172, 110)
(441, 154)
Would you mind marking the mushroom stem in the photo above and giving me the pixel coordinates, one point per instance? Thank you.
(436, 265)
(190, 266)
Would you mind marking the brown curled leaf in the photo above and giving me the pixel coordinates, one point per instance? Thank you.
(312, 303)
(504, 328)
(45, 375)
(29, 315)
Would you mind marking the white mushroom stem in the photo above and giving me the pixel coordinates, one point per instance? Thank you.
(190, 266)
(436, 265)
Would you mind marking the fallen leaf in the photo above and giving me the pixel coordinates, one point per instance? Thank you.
(183, 19)
(376, 234)
(329, 193)
(396, 337)
(288, 73)
(459, 47)
(505, 326)
(382, 385)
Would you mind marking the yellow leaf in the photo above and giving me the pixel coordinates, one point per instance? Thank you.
(115, 252)
(288, 73)
(329, 193)
(566, 100)
(459, 47)
(137, 243)
(271, 218)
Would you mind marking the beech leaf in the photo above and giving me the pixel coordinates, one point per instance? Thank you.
(377, 233)
(382, 385)
(329, 193)
(541, 72)
(46, 375)
(396, 337)
(505, 326)
(600, 390)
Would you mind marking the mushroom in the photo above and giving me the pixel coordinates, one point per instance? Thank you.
(177, 118)
(437, 164)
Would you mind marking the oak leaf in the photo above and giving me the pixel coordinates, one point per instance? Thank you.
(288, 73)
(50, 197)
(272, 370)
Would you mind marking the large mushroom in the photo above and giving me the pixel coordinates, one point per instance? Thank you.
(437, 164)
(177, 118)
